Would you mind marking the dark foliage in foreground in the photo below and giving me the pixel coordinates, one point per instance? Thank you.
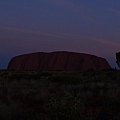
(91, 95)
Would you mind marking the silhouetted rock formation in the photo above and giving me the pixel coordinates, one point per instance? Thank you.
(57, 61)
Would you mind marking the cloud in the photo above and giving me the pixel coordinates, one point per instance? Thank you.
(31, 32)
(30, 40)
(64, 36)
(116, 12)
(107, 48)
(97, 46)
(102, 41)
(106, 42)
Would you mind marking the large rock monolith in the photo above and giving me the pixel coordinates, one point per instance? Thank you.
(57, 61)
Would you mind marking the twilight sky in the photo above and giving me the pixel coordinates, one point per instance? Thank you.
(85, 26)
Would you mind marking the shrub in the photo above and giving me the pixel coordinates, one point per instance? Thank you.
(67, 107)
(65, 79)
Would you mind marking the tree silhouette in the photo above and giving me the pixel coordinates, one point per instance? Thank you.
(118, 58)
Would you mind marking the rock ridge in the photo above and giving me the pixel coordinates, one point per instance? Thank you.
(57, 61)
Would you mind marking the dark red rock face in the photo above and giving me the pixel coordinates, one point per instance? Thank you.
(57, 61)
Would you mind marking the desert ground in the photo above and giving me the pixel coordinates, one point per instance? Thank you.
(58, 95)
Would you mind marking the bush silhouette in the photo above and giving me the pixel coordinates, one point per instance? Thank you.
(118, 58)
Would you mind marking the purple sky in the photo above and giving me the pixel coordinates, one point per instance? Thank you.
(85, 26)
